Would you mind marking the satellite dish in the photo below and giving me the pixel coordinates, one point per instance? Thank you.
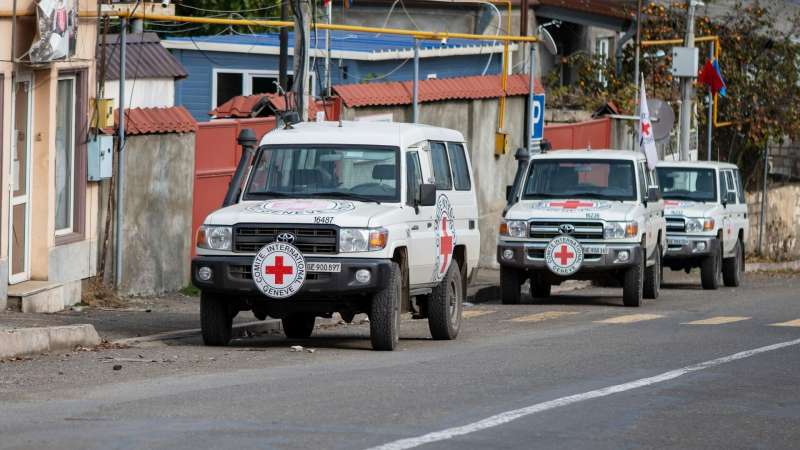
(663, 118)
(547, 40)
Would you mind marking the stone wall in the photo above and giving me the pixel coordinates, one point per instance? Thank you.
(781, 239)
(157, 228)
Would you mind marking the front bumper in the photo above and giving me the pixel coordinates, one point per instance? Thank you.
(685, 246)
(231, 275)
(530, 255)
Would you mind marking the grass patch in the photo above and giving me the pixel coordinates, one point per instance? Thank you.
(190, 291)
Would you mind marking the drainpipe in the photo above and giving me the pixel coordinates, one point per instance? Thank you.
(247, 139)
(415, 99)
(123, 23)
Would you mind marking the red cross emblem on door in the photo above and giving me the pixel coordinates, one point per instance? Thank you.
(445, 245)
(571, 204)
(564, 255)
(278, 270)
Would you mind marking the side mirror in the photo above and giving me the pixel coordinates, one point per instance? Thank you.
(730, 197)
(653, 194)
(427, 194)
(508, 192)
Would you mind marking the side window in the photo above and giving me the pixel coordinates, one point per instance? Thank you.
(739, 188)
(643, 183)
(458, 159)
(441, 166)
(413, 177)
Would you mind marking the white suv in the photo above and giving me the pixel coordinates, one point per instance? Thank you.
(352, 217)
(707, 223)
(594, 214)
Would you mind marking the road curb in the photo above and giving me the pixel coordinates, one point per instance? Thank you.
(773, 267)
(239, 330)
(24, 341)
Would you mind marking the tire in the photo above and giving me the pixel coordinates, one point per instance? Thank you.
(710, 268)
(652, 276)
(733, 268)
(216, 320)
(445, 305)
(510, 284)
(298, 325)
(539, 287)
(633, 285)
(384, 316)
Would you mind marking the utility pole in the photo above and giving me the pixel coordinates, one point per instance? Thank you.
(120, 198)
(687, 89)
(329, 13)
(283, 59)
(302, 33)
(636, 75)
(523, 31)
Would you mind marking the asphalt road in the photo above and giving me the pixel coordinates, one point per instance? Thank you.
(576, 371)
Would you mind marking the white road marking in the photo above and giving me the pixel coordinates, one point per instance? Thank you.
(539, 317)
(718, 320)
(791, 323)
(509, 416)
(630, 318)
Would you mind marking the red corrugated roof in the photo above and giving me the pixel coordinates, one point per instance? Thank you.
(251, 105)
(461, 88)
(175, 119)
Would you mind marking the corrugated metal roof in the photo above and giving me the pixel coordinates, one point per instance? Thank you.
(251, 105)
(340, 41)
(175, 119)
(460, 88)
(623, 9)
(146, 58)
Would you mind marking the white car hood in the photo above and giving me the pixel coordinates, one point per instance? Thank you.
(687, 208)
(344, 213)
(570, 209)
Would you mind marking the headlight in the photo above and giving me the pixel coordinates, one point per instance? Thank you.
(214, 238)
(693, 226)
(514, 228)
(362, 239)
(620, 230)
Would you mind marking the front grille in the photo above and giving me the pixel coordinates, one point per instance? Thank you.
(676, 224)
(319, 240)
(245, 272)
(550, 229)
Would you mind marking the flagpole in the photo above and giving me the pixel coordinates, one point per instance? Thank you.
(710, 106)
(636, 58)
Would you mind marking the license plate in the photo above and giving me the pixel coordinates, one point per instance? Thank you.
(595, 249)
(676, 242)
(324, 267)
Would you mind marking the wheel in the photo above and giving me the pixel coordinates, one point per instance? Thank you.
(384, 316)
(633, 285)
(733, 267)
(298, 325)
(652, 276)
(216, 320)
(510, 283)
(710, 268)
(445, 305)
(539, 287)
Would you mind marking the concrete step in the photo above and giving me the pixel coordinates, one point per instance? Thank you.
(36, 297)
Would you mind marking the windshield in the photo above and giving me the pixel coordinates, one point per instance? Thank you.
(680, 183)
(566, 178)
(358, 173)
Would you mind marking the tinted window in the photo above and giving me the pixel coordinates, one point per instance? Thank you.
(441, 166)
(337, 172)
(458, 159)
(643, 182)
(413, 177)
(680, 183)
(567, 178)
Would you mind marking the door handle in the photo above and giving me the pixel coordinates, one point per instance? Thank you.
(415, 228)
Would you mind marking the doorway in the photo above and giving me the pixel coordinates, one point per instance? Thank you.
(21, 146)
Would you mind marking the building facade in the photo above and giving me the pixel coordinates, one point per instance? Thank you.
(48, 224)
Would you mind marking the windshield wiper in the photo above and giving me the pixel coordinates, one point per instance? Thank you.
(684, 197)
(350, 195)
(278, 194)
